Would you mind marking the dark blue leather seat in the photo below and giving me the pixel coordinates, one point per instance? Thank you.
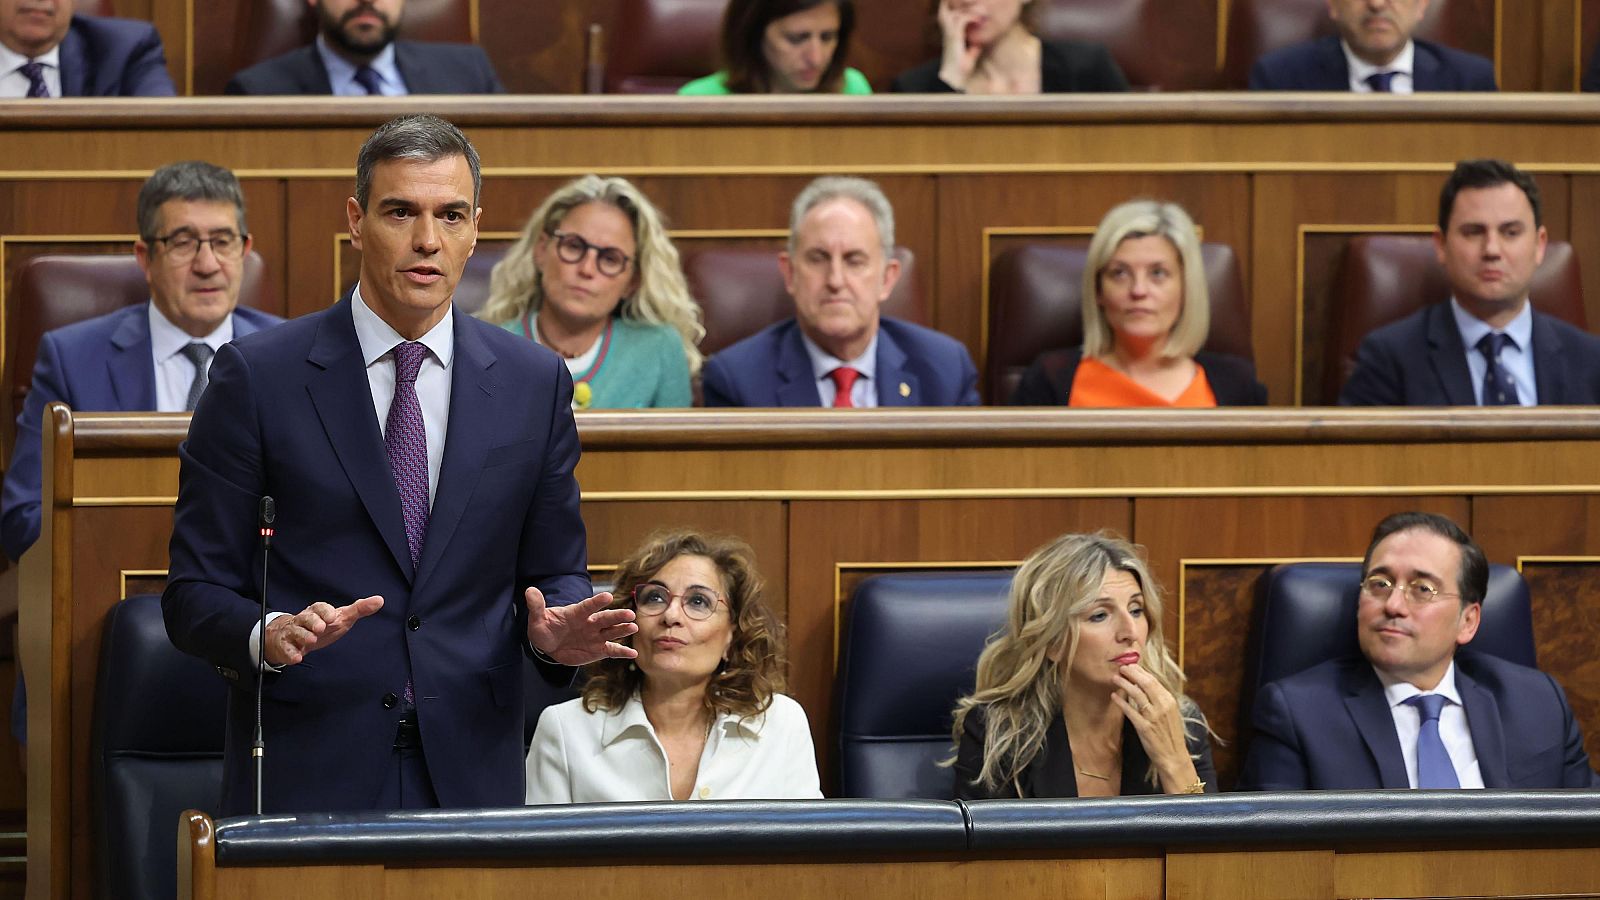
(156, 750)
(911, 646)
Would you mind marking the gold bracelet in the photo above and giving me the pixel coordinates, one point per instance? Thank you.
(1199, 787)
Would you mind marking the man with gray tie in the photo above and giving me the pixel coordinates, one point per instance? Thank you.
(1486, 345)
(1416, 709)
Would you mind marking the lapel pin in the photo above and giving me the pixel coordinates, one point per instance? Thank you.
(905, 389)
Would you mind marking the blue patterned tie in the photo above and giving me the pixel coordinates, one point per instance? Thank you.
(1498, 388)
(368, 79)
(1434, 769)
(1381, 82)
(34, 72)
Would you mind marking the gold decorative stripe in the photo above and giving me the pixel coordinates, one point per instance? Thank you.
(125, 574)
(1097, 492)
(1553, 560)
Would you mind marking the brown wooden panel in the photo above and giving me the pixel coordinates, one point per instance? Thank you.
(1585, 235)
(1215, 600)
(1565, 595)
(1251, 875)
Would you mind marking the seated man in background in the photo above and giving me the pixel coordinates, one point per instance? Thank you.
(1413, 710)
(46, 51)
(1486, 345)
(356, 55)
(837, 350)
(1373, 53)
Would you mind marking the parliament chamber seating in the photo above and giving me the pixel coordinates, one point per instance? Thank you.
(157, 749)
(1257, 27)
(1305, 614)
(656, 46)
(1035, 292)
(913, 641)
(1156, 43)
(1386, 277)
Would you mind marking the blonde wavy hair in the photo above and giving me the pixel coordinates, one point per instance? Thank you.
(660, 295)
(1148, 218)
(755, 665)
(1018, 687)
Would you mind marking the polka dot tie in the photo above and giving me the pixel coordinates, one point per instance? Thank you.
(1498, 388)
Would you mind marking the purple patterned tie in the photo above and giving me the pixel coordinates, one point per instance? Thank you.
(34, 72)
(407, 442)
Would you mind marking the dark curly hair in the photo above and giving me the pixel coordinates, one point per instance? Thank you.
(754, 670)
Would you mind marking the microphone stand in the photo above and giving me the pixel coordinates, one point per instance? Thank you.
(258, 748)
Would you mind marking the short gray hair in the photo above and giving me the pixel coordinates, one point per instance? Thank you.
(420, 138)
(833, 187)
(193, 181)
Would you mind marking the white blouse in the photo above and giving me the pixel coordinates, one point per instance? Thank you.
(584, 757)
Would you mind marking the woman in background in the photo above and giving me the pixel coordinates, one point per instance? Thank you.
(989, 49)
(784, 47)
(594, 277)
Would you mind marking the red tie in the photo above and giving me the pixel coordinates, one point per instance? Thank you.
(844, 378)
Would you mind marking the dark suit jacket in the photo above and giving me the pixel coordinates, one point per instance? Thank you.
(771, 368)
(1420, 361)
(104, 57)
(1329, 728)
(98, 365)
(1320, 65)
(427, 67)
(1065, 67)
(1048, 381)
(1591, 73)
(1052, 774)
(289, 414)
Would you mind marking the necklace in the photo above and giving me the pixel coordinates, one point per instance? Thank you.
(1093, 775)
(538, 328)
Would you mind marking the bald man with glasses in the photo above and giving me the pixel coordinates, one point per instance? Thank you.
(1417, 709)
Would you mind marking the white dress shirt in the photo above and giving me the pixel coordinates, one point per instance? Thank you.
(1360, 70)
(174, 371)
(1453, 728)
(599, 757)
(342, 73)
(1516, 360)
(15, 84)
(864, 392)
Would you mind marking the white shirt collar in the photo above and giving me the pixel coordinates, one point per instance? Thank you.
(11, 60)
(619, 722)
(822, 363)
(1360, 70)
(1397, 691)
(378, 337)
(1473, 328)
(167, 339)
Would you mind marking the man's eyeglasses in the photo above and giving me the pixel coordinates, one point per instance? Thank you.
(573, 248)
(184, 246)
(1419, 593)
(653, 599)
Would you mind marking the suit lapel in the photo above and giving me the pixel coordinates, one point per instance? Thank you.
(1425, 70)
(796, 385)
(467, 440)
(131, 366)
(1448, 356)
(1549, 362)
(343, 398)
(75, 65)
(312, 73)
(1483, 721)
(1333, 70)
(1369, 709)
(896, 386)
(417, 73)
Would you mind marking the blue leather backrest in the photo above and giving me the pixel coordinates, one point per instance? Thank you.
(912, 643)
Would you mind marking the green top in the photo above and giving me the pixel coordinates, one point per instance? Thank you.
(716, 84)
(643, 367)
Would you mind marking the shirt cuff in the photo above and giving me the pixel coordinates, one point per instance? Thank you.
(255, 643)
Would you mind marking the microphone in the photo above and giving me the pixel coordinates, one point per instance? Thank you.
(267, 515)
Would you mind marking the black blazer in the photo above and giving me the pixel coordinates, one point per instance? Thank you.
(1320, 65)
(1065, 67)
(428, 68)
(1052, 774)
(1420, 361)
(1048, 382)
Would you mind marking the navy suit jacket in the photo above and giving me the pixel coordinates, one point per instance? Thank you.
(1329, 728)
(917, 366)
(1320, 65)
(1420, 361)
(104, 57)
(289, 413)
(102, 364)
(427, 67)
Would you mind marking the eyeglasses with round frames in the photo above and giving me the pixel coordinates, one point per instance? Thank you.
(653, 599)
(1418, 593)
(184, 246)
(572, 248)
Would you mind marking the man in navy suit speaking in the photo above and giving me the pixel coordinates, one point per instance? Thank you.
(1373, 52)
(427, 518)
(838, 351)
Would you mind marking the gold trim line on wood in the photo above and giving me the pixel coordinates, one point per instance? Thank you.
(1498, 40)
(1553, 560)
(838, 583)
(1185, 562)
(125, 574)
(1577, 46)
(188, 48)
(1300, 285)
